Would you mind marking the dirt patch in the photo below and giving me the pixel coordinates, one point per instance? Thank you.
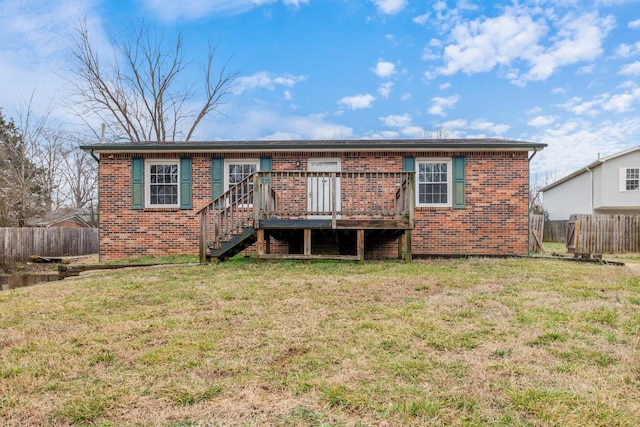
(634, 267)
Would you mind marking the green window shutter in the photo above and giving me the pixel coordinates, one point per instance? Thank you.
(137, 183)
(409, 164)
(266, 164)
(185, 183)
(217, 177)
(458, 183)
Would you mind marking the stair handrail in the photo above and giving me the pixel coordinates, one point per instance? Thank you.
(230, 212)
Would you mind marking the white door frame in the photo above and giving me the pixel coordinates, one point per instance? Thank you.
(320, 196)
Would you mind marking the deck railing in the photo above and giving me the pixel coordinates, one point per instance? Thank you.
(308, 195)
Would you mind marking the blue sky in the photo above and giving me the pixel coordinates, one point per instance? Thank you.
(565, 73)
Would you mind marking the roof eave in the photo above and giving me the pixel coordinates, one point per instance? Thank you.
(228, 147)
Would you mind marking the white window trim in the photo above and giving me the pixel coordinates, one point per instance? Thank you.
(228, 162)
(623, 179)
(147, 181)
(449, 162)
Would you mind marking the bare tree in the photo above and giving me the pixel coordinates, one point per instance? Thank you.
(440, 133)
(79, 176)
(144, 89)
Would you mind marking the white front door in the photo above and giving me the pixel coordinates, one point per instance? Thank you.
(321, 188)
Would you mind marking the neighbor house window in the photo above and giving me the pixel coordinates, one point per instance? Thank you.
(162, 183)
(434, 182)
(632, 179)
(236, 172)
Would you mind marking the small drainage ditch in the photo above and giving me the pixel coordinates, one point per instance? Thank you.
(13, 281)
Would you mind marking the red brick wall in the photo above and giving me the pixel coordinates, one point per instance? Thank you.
(495, 218)
(494, 221)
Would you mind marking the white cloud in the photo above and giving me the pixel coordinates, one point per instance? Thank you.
(390, 7)
(634, 24)
(265, 80)
(480, 45)
(631, 69)
(540, 121)
(34, 37)
(440, 103)
(384, 69)
(171, 10)
(422, 19)
(358, 101)
(576, 143)
(414, 132)
(444, 86)
(454, 124)
(396, 121)
(487, 126)
(579, 39)
(263, 123)
(518, 36)
(587, 69)
(619, 103)
(385, 89)
(628, 50)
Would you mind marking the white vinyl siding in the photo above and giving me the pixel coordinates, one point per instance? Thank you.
(572, 197)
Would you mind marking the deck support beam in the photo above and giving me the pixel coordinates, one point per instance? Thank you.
(260, 244)
(307, 242)
(407, 246)
(360, 245)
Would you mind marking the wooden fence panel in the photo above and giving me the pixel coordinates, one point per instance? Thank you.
(607, 234)
(19, 243)
(555, 231)
(536, 231)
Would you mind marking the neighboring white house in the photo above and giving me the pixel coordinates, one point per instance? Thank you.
(610, 185)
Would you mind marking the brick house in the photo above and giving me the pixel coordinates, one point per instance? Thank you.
(341, 199)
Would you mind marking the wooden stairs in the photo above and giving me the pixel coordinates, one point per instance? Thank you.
(233, 246)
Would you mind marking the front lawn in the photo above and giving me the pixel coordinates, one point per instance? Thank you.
(500, 342)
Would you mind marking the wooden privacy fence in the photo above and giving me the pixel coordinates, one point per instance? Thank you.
(19, 243)
(555, 231)
(606, 234)
(536, 230)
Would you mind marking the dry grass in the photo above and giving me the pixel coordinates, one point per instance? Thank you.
(517, 342)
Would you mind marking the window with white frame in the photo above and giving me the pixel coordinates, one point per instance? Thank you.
(235, 172)
(632, 179)
(433, 182)
(162, 183)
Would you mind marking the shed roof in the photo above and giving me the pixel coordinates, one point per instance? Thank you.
(477, 144)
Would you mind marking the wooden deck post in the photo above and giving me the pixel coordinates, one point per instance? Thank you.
(307, 241)
(261, 246)
(203, 237)
(360, 246)
(407, 246)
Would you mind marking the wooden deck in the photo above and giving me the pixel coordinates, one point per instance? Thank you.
(277, 203)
